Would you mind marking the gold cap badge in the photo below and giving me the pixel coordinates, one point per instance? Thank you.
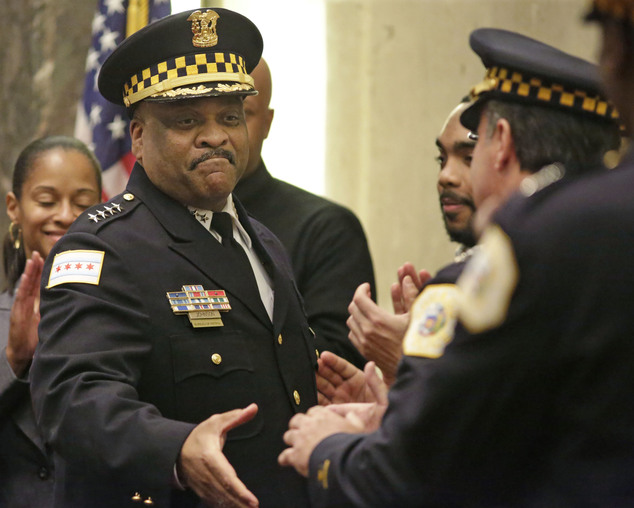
(204, 28)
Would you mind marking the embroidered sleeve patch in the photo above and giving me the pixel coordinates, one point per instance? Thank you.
(82, 266)
(322, 474)
(487, 282)
(432, 322)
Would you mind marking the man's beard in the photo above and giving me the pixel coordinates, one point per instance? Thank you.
(464, 236)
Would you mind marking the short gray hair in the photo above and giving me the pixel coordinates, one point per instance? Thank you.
(544, 135)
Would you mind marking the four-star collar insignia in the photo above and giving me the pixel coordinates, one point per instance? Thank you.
(109, 210)
(202, 306)
(200, 216)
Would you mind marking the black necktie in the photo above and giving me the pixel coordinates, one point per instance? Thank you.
(222, 223)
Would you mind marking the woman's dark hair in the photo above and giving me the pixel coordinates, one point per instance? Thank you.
(14, 260)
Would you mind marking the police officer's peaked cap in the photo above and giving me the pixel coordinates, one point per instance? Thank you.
(198, 53)
(521, 69)
(617, 9)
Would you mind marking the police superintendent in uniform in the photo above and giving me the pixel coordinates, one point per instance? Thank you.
(510, 416)
(152, 319)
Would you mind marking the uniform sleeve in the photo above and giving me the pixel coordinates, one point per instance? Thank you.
(94, 339)
(335, 259)
(449, 435)
(384, 468)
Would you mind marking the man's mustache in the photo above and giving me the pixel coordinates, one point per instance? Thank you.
(212, 154)
(457, 198)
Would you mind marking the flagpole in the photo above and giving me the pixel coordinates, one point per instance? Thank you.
(138, 16)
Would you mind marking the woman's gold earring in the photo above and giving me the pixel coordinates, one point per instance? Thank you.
(16, 239)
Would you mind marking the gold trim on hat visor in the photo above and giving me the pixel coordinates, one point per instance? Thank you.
(505, 81)
(614, 8)
(162, 78)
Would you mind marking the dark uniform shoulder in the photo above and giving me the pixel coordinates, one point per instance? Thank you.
(450, 273)
(98, 216)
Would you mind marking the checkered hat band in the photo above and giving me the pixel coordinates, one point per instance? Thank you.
(203, 64)
(619, 9)
(514, 83)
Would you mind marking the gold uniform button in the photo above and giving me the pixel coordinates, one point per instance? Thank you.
(317, 353)
(149, 502)
(216, 358)
(279, 339)
(136, 497)
(296, 397)
(128, 197)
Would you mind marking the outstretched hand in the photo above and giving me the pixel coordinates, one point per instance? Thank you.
(338, 381)
(366, 415)
(306, 431)
(25, 317)
(204, 468)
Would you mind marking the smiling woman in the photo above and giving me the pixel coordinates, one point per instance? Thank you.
(54, 180)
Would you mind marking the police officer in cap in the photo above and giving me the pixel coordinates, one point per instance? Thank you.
(508, 414)
(174, 346)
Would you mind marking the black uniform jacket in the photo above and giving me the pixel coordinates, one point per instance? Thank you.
(328, 250)
(26, 478)
(536, 411)
(119, 380)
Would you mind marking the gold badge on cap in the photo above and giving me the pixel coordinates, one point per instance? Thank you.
(202, 306)
(204, 28)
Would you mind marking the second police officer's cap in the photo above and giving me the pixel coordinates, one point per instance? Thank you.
(622, 10)
(196, 53)
(523, 70)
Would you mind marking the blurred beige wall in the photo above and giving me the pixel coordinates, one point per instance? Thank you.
(395, 70)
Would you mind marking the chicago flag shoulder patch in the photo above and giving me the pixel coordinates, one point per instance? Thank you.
(80, 266)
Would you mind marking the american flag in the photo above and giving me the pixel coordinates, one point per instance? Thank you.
(103, 126)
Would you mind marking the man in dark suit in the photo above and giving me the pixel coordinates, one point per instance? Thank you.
(170, 320)
(325, 241)
(532, 407)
